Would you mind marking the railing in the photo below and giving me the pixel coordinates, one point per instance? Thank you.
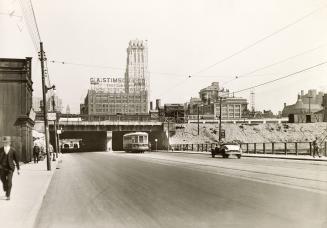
(279, 148)
(108, 122)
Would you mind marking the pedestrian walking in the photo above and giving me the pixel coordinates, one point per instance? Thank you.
(36, 153)
(7, 167)
(315, 148)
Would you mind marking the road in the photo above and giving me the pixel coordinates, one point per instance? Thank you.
(184, 190)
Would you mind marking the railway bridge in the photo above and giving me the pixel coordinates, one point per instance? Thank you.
(108, 134)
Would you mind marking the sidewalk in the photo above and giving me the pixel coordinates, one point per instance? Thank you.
(275, 156)
(27, 194)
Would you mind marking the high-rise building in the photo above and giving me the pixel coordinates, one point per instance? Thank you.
(54, 103)
(137, 75)
(128, 95)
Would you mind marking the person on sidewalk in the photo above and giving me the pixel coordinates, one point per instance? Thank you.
(315, 148)
(7, 157)
(36, 153)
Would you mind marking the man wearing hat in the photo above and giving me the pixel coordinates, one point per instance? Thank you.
(7, 157)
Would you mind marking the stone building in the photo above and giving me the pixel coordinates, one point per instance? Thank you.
(16, 112)
(305, 104)
(207, 106)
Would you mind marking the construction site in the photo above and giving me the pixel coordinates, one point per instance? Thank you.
(250, 133)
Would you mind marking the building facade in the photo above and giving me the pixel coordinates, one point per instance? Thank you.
(128, 95)
(16, 112)
(137, 75)
(306, 103)
(207, 105)
(100, 103)
(231, 108)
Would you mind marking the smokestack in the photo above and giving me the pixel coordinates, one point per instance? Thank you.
(284, 104)
(157, 104)
(302, 93)
(151, 105)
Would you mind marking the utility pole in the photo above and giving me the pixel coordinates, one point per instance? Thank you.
(168, 134)
(310, 97)
(220, 101)
(55, 128)
(198, 120)
(46, 125)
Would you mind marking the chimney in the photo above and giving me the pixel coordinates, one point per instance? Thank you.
(284, 104)
(157, 104)
(151, 105)
(302, 93)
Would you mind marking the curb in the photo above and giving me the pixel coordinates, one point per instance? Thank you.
(253, 156)
(30, 223)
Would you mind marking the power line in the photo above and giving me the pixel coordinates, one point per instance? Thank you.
(261, 40)
(249, 74)
(280, 78)
(119, 68)
(37, 27)
(30, 29)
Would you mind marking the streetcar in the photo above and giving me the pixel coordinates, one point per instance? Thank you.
(136, 142)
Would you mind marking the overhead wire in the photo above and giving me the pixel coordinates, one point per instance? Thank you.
(35, 22)
(120, 68)
(262, 39)
(251, 45)
(250, 74)
(30, 29)
(280, 78)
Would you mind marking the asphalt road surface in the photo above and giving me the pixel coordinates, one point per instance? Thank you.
(184, 190)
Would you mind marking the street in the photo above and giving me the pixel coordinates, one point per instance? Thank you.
(117, 189)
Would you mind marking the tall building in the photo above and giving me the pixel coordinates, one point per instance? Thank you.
(128, 95)
(38, 104)
(137, 75)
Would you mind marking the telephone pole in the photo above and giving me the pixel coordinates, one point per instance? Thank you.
(220, 101)
(46, 125)
(198, 119)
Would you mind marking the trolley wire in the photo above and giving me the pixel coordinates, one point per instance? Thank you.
(261, 39)
(281, 78)
(250, 74)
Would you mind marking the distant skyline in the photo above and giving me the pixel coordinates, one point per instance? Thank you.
(184, 37)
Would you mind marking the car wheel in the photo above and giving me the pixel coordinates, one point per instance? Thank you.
(212, 155)
(238, 156)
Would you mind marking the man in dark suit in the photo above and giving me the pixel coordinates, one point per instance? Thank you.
(7, 167)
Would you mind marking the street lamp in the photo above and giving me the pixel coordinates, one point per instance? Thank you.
(156, 140)
(54, 124)
(199, 117)
(310, 97)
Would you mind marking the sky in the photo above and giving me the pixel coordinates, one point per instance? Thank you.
(184, 38)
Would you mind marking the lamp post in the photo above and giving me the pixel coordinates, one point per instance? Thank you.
(198, 120)
(54, 126)
(220, 105)
(156, 140)
(310, 97)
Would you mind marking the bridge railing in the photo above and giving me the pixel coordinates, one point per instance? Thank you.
(278, 148)
(106, 122)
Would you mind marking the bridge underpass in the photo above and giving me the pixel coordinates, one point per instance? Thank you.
(101, 136)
